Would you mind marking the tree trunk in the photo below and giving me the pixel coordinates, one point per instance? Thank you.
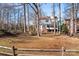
(53, 14)
(14, 20)
(75, 17)
(18, 20)
(27, 17)
(59, 18)
(40, 14)
(24, 18)
(36, 9)
(72, 20)
(37, 15)
(2, 18)
(10, 21)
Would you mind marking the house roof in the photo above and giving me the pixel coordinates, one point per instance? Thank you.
(69, 19)
(45, 17)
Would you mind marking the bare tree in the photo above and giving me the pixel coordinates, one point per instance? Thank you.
(71, 13)
(24, 17)
(53, 14)
(75, 16)
(72, 20)
(36, 9)
(28, 17)
(2, 18)
(59, 17)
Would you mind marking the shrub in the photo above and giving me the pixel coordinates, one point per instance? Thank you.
(2, 31)
(32, 30)
(64, 29)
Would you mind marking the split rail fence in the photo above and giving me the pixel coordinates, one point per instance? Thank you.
(13, 49)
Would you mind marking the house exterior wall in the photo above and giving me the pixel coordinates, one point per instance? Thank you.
(67, 22)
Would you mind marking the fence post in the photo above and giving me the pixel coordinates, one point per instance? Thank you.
(13, 48)
(62, 51)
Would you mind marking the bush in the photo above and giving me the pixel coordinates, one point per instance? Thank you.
(32, 30)
(2, 31)
(64, 29)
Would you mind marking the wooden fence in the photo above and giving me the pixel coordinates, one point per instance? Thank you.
(13, 49)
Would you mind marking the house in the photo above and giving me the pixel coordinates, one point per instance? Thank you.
(67, 22)
(49, 26)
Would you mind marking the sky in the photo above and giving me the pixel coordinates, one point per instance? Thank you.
(47, 9)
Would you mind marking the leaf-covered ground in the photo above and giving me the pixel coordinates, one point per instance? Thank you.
(43, 42)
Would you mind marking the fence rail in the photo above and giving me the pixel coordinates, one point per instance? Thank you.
(13, 49)
(6, 47)
(71, 50)
(8, 54)
(40, 50)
